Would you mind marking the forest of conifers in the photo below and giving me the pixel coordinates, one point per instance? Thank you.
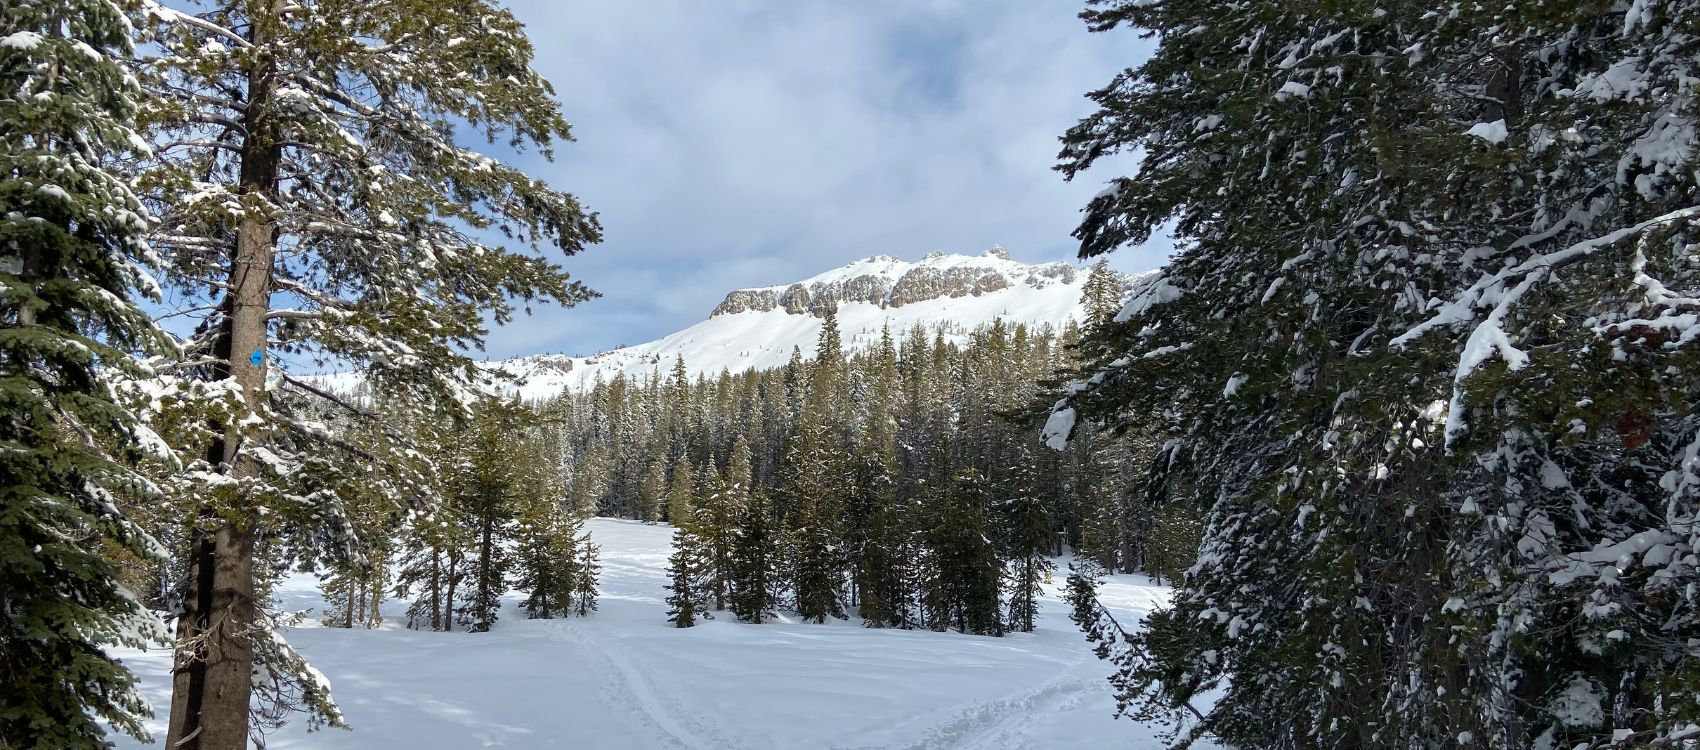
(1409, 417)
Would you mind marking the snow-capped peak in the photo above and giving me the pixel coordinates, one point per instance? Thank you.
(890, 282)
(759, 327)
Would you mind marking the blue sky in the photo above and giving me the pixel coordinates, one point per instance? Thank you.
(753, 142)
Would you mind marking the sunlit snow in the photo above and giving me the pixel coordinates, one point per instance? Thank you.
(624, 678)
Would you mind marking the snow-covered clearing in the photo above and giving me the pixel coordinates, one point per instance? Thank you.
(623, 678)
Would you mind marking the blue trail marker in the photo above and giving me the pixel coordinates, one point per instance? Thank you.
(257, 357)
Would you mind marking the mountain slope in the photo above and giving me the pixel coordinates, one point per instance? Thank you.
(759, 327)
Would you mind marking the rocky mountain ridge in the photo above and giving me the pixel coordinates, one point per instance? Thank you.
(760, 327)
(890, 282)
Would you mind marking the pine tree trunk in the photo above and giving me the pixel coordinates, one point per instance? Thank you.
(449, 595)
(1130, 546)
(437, 590)
(349, 605)
(375, 600)
(215, 661)
(481, 623)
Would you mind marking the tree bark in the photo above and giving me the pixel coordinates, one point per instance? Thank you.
(449, 599)
(486, 562)
(349, 604)
(437, 590)
(213, 679)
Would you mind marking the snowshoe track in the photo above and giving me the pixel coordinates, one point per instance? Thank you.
(1002, 723)
(673, 725)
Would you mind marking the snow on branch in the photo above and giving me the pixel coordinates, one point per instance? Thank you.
(1500, 292)
(155, 10)
(1681, 483)
(1060, 424)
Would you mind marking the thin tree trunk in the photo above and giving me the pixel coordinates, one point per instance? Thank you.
(449, 598)
(485, 561)
(375, 599)
(437, 590)
(215, 659)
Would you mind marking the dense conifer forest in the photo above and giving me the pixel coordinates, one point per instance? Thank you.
(902, 484)
(1399, 447)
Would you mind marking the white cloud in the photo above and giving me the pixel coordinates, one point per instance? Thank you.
(750, 142)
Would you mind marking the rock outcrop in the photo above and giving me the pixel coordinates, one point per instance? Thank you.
(886, 281)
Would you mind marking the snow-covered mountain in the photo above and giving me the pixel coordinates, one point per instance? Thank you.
(759, 327)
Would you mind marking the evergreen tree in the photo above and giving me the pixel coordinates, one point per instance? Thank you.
(652, 495)
(586, 571)
(1101, 295)
(715, 521)
(1173, 546)
(307, 148)
(681, 494)
(1416, 420)
(70, 248)
(1027, 537)
(687, 568)
(816, 480)
(755, 580)
(875, 519)
(429, 562)
(546, 559)
(591, 479)
(817, 578)
(499, 472)
(963, 570)
(357, 585)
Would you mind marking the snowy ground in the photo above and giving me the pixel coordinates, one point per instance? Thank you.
(625, 679)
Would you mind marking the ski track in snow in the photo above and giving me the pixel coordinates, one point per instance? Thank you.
(625, 678)
(1003, 723)
(666, 716)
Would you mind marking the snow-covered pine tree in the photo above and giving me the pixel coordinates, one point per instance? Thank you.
(1027, 537)
(816, 565)
(652, 493)
(500, 472)
(796, 383)
(681, 494)
(586, 573)
(356, 585)
(1094, 494)
(1101, 295)
(315, 204)
(545, 557)
(676, 410)
(433, 544)
(592, 473)
(817, 476)
(875, 514)
(687, 571)
(963, 571)
(71, 255)
(355, 576)
(716, 517)
(1451, 408)
(755, 580)
(1568, 373)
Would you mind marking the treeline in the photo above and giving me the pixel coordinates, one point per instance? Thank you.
(902, 484)
(1426, 358)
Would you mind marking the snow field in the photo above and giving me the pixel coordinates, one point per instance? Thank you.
(623, 678)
